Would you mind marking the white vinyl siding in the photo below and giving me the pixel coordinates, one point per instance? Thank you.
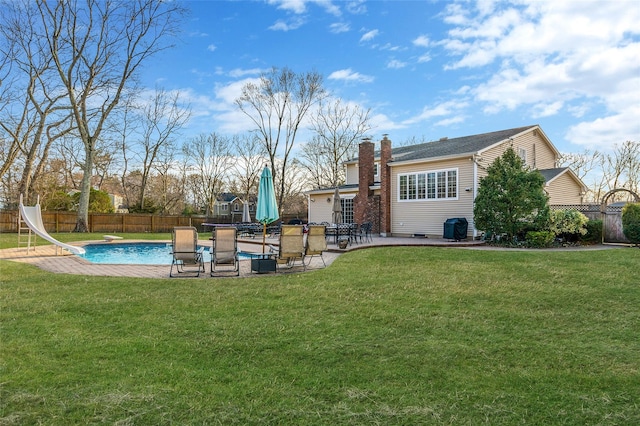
(428, 185)
(427, 215)
(536, 151)
(564, 190)
(321, 206)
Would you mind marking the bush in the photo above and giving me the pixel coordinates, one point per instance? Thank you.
(58, 201)
(568, 224)
(540, 239)
(631, 222)
(594, 231)
(99, 201)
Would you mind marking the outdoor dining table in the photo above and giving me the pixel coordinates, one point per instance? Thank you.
(341, 231)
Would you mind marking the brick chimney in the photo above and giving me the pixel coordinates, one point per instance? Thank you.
(365, 180)
(385, 186)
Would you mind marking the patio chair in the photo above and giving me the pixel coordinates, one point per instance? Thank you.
(330, 232)
(343, 231)
(225, 250)
(365, 232)
(185, 251)
(355, 233)
(291, 245)
(316, 243)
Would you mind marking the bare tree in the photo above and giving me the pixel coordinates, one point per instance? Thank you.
(294, 202)
(607, 170)
(32, 112)
(169, 190)
(161, 119)
(338, 127)
(621, 167)
(248, 165)
(277, 106)
(97, 48)
(211, 161)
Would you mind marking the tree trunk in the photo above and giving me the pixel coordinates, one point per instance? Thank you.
(82, 221)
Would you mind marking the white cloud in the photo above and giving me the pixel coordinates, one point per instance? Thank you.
(339, 27)
(293, 24)
(356, 7)
(300, 6)
(450, 121)
(295, 6)
(239, 72)
(606, 131)
(421, 41)
(369, 35)
(211, 47)
(550, 57)
(424, 58)
(395, 64)
(350, 76)
(228, 93)
(546, 109)
(439, 110)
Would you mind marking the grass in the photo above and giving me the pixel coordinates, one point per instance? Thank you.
(382, 336)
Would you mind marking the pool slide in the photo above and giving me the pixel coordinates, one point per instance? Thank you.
(32, 216)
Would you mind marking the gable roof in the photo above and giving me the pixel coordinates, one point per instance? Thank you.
(550, 174)
(226, 197)
(465, 145)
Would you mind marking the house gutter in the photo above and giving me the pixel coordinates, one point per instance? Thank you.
(430, 160)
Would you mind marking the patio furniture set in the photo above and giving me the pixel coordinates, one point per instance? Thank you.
(344, 234)
(294, 245)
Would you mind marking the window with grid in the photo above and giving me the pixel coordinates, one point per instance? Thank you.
(435, 185)
(347, 210)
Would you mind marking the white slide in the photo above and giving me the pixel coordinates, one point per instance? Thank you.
(32, 216)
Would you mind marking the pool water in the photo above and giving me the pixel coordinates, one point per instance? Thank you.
(137, 253)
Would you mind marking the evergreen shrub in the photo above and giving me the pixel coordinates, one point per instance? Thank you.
(540, 239)
(631, 222)
(594, 231)
(568, 224)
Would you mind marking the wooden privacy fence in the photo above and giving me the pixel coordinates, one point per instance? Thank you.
(116, 222)
(106, 222)
(611, 219)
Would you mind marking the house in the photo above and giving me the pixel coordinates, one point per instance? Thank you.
(413, 190)
(229, 207)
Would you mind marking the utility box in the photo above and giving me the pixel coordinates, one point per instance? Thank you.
(263, 264)
(455, 229)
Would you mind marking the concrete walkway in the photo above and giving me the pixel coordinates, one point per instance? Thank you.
(45, 257)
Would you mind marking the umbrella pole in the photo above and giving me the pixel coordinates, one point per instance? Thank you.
(264, 235)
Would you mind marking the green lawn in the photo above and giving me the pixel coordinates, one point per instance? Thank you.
(383, 336)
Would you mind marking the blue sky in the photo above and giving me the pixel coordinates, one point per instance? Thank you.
(426, 69)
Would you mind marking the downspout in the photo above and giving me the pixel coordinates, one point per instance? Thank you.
(475, 192)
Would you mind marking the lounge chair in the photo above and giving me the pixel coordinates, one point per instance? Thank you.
(291, 245)
(316, 242)
(185, 251)
(225, 250)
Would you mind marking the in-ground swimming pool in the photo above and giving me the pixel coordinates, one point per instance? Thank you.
(136, 253)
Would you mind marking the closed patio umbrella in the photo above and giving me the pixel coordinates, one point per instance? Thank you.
(267, 208)
(337, 207)
(246, 217)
